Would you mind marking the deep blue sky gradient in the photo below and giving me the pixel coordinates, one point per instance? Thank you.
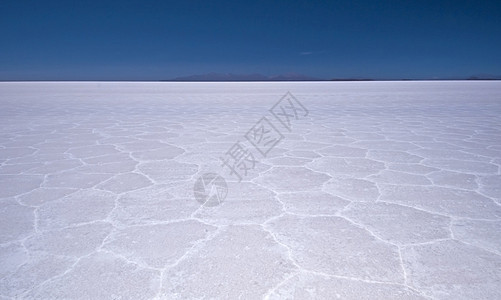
(153, 40)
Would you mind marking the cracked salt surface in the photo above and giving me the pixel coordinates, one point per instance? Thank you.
(386, 190)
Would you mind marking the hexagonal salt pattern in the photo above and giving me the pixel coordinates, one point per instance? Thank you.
(386, 190)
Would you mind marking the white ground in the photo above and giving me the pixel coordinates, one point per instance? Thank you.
(384, 191)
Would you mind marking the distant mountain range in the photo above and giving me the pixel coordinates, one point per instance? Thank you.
(245, 77)
(301, 77)
(222, 77)
(484, 77)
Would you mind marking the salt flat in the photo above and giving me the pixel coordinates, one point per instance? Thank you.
(365, 190)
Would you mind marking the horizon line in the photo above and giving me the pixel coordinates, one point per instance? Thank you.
(312, 80)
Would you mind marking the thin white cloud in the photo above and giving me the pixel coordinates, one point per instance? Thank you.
(311, 52)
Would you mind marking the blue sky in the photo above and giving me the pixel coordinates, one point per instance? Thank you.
(154, 40)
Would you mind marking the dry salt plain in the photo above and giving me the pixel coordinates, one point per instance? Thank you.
(373, 190)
